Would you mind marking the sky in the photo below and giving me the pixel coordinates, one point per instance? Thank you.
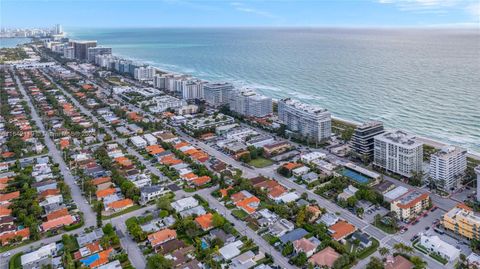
(238, 13)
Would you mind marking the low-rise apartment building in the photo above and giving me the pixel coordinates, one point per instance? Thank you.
(462, 221)
(410, 204)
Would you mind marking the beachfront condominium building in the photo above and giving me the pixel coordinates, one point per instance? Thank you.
(447, 167)
(217, 94)
(477, 171)
(247, 102)
(81, 48)
(159, 81)
(94, 51)
(398, 152)
(69, 52)
(362, 142)
(312, 122)
(144, 73)
(193, 89)
(462, 221)
(410, 205)
(58, 29)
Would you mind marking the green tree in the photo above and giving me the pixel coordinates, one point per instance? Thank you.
(300, 260)
(158, 261)
(218, 220)
(375, 263)
(383, 251)
(287, 249)
(418, 262)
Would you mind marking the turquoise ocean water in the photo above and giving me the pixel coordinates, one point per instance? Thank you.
(424, 81)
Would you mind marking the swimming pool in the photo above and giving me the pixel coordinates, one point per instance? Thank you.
(355, 176)
(91, 259)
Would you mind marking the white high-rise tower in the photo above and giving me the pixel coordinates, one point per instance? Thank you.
(477, 171)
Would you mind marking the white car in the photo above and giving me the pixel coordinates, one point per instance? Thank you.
(7, 254)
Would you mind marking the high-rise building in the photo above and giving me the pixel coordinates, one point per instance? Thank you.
(362, 139)
(94, 51)
(58, 29)
(69, 52)
(193, 89)
(81, 48)
(398, 152)
(144, 73)
(447, 167)
(248, 103)
(217, 94)
(477, 171)
(310, 121)
(159, 82)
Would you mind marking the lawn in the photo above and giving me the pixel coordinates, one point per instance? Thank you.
(370, 250)
(270, 239)
(439, 258)
(15, 262)
(385, 228)
(128, 210)
(239, 214)
(260, 162)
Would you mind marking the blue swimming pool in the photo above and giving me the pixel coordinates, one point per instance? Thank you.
(91, 259)
(355, 176)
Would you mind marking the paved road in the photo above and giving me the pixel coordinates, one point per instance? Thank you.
(386, 240)
(243, 229)
(88, 214)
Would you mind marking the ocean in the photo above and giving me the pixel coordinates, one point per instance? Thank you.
(13, 42)
(425, 81)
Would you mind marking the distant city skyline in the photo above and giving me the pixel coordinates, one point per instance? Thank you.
(185, 13)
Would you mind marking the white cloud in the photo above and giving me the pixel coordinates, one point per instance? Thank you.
(474, 9)
(242, 8)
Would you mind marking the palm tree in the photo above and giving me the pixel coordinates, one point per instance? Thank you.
(383, 251)
(418, 262)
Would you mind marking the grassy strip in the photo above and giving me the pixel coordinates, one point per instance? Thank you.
(260, 162)
(15, 262)
(239, 214)
(387, 229)
(370, 250)
(74, 226)
(438, 258)
(128, 210)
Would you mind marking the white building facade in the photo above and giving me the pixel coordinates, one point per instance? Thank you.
(398, 152)
(447, 167)
(248, 103)
(310, 121)
(217, 94)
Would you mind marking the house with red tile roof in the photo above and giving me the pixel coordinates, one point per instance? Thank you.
(104, 193)
(200, 181)
(100, 259)
(101, 180)
(161, 237)
(57, 223)
(154, 149)
(205, 221)
(119, 205)
(23, 234)
(8, 197)
(304, 245)
(324, 258)
(49, 192)
(249, 203)
(5, 211)
(57, 214)
(341, 229)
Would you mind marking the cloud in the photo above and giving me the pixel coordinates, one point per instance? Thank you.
(474, 9)
(469, 7)
(242, 8)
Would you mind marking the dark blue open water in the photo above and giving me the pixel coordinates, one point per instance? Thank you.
(424, 81)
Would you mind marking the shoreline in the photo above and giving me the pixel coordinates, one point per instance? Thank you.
(429, 141)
